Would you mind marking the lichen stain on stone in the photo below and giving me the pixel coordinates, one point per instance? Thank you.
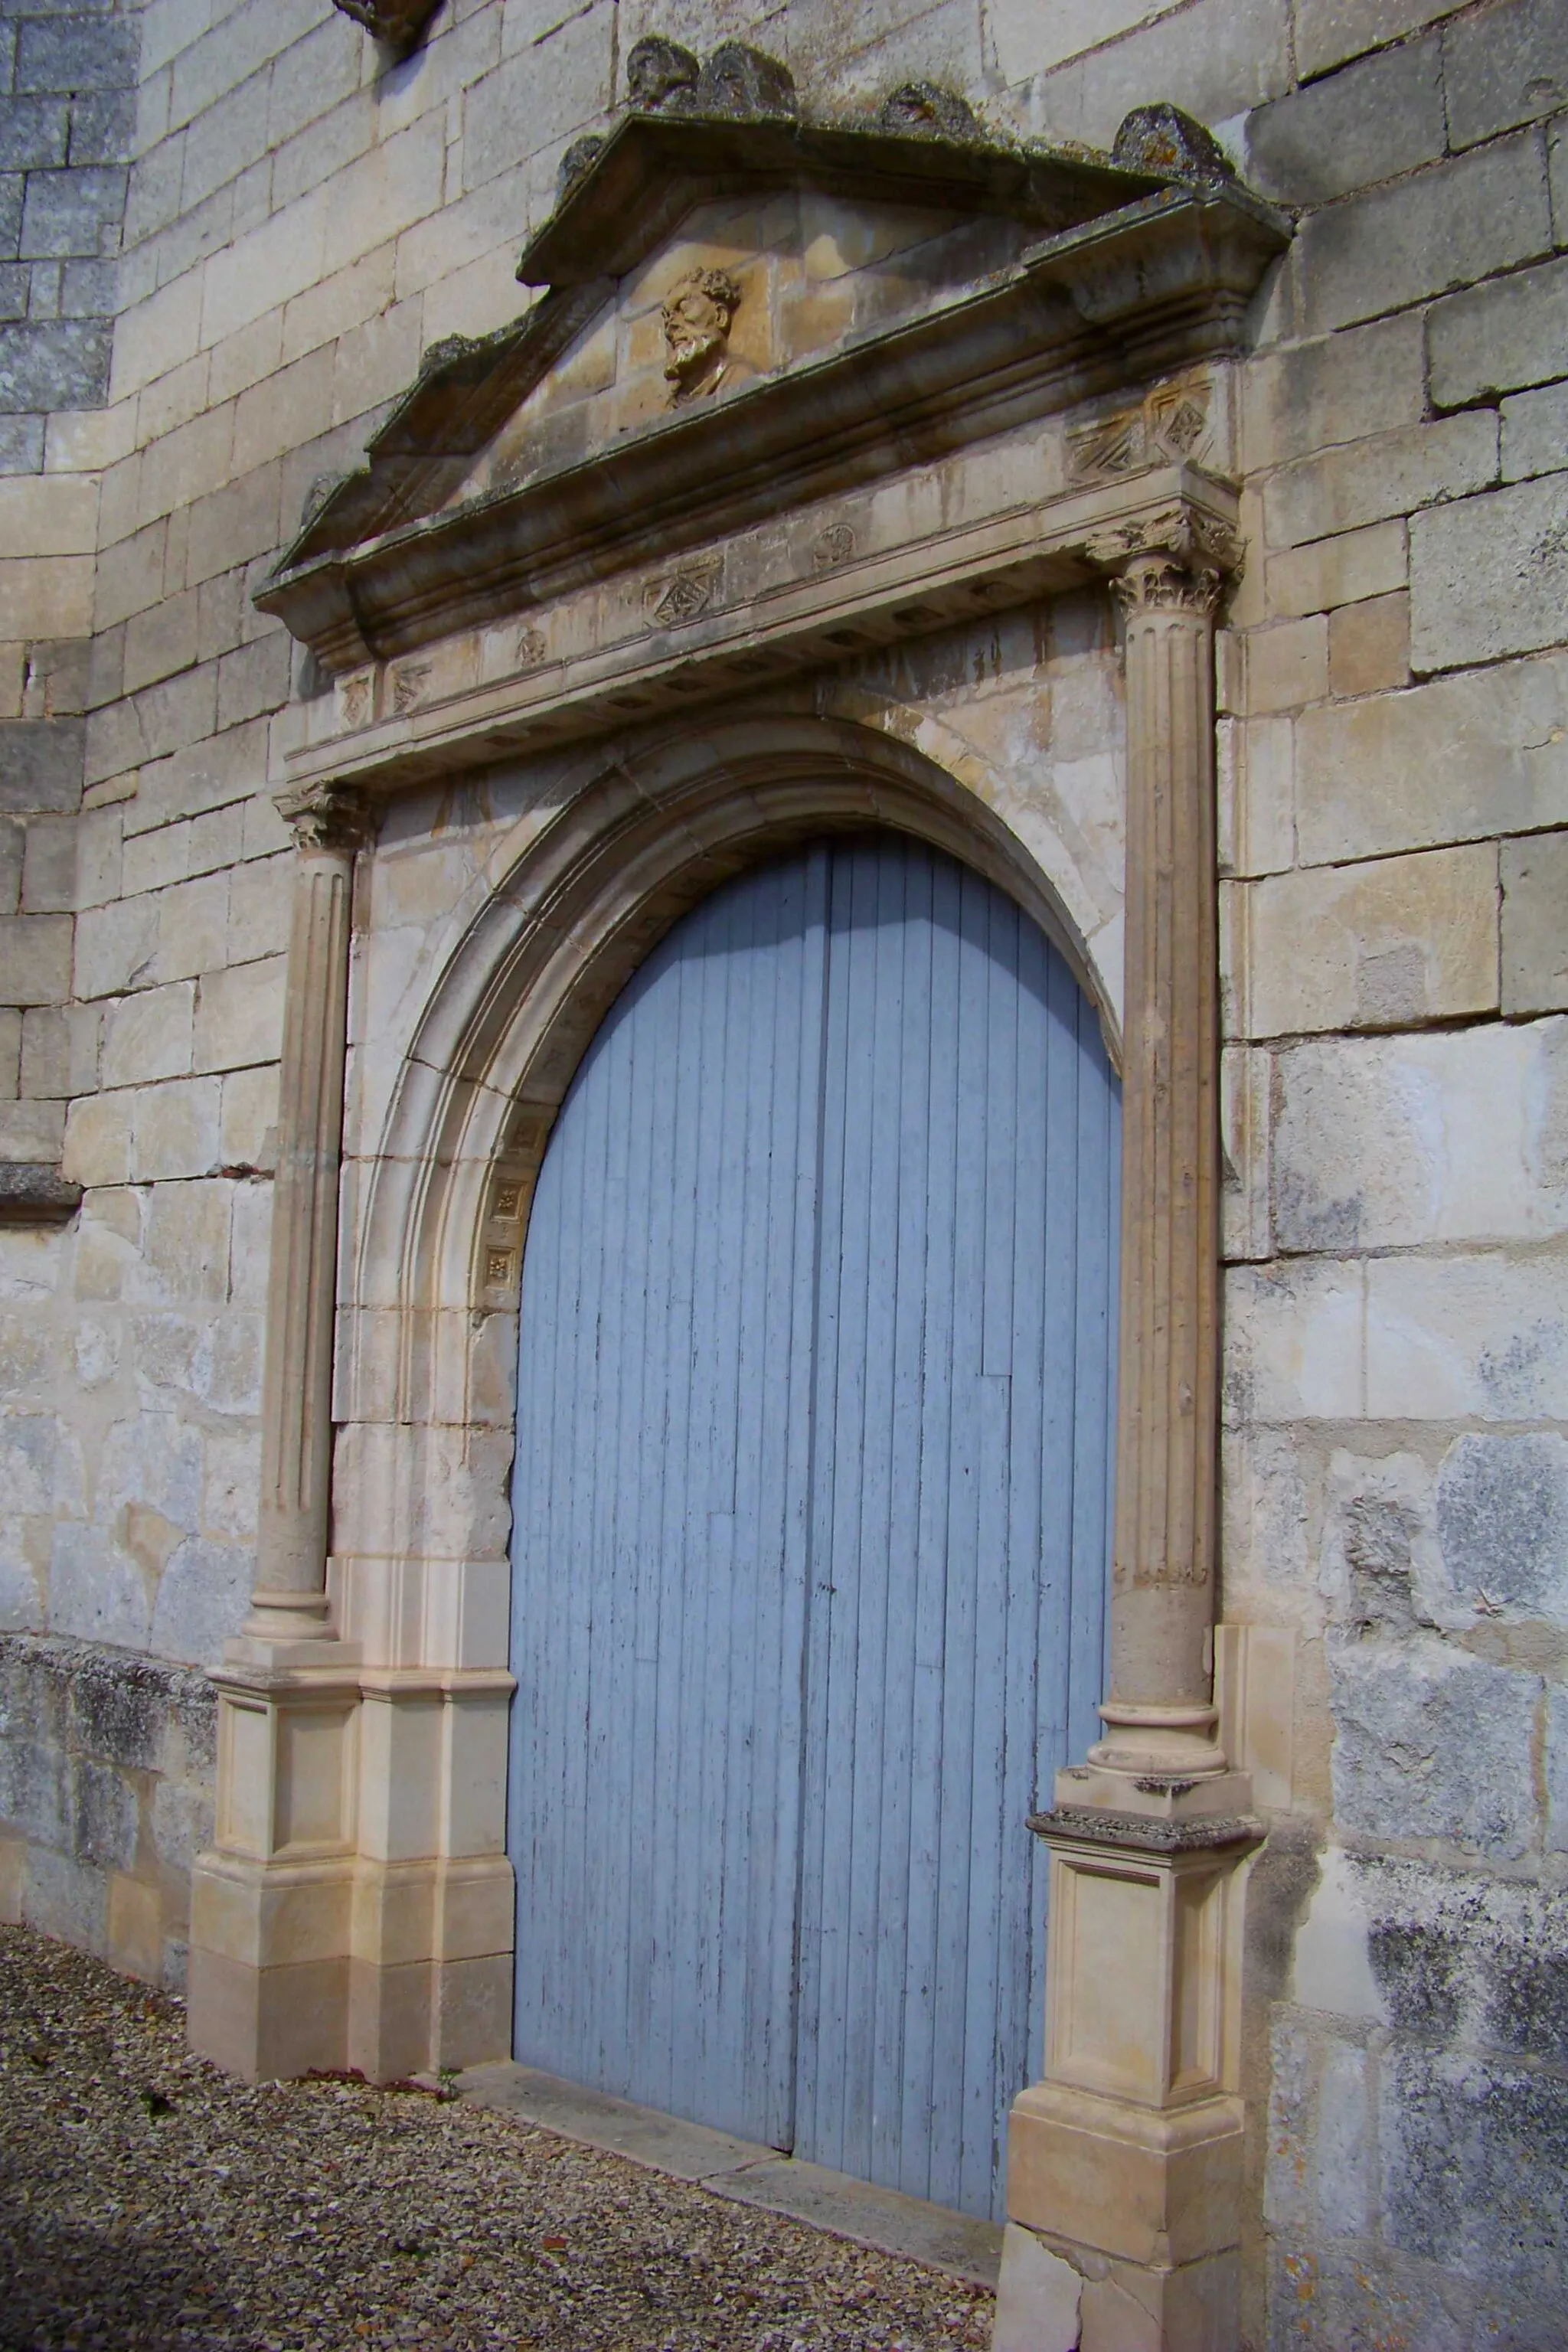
(1512, 1376)
(1417, 1968)
(1502, 1521)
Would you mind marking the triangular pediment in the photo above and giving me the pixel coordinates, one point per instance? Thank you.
(730, 307)
(744, 289)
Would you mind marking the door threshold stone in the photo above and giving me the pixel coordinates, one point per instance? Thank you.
(881, 2218)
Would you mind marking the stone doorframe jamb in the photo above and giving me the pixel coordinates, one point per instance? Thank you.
(390, 1917)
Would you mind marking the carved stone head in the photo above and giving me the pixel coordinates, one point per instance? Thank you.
(697, 329)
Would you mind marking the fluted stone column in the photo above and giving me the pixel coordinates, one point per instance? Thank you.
(1124, 2164)
(1159, 1717)
(290, 1600)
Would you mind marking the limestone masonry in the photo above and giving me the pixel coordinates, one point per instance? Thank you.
(1123, 443)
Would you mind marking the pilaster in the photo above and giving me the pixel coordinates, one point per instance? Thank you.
(272, 1900)
(1124, 2164)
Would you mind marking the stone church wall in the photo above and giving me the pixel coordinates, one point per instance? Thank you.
(302, 220)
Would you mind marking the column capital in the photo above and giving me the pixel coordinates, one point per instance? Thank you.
(1175, 560)
(327, 816)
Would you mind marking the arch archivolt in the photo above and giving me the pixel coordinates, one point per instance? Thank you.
(512, 987)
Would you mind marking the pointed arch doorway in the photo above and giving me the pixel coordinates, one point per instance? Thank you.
(810, 1514)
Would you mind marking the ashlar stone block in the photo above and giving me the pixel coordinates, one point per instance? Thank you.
(1396, 1143)
(148, 1036)
(1345, 570)
(1392, 473)
(1507, 66)
(1535, 433)
(1488, 576)
(1367, 123)
(1481, 1337)
(1500, 336)
(1431, 1742)
(1446, 227)
(1388, 945)
(1535, 923)
(1369, 646)
(1330, 31)
(1460, 757)
(1502, 1522)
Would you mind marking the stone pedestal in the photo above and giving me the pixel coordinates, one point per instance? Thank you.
(1124, 2164)
(356, 1908)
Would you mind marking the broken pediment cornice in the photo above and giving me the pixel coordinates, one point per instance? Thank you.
(1127, 274)
(652, 170)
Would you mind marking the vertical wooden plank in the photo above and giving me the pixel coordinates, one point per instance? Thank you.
(811, 1514)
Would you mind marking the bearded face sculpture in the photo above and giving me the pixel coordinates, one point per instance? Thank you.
(697, 329)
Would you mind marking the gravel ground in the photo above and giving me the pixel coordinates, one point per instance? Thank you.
(147, 2201)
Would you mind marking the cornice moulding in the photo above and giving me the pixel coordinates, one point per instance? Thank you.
(781, 628)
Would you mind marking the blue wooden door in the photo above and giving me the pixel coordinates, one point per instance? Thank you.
(811, 1515)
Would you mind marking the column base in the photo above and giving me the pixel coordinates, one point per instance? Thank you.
(1156, 2188)
(385, 1971)
(1052, 2298)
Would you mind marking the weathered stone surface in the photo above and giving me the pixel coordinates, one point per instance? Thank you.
(1461, 1337)
(1506, 67)
(1488, 576)
(1499, 337)
(1556, 1770)
(1388, 1143)
(1432, 1743)
(202, 1599)
(1345, 570)
(1390, 474)
(1502, 1522)
(1452, 761)
(1534, 934)
(1487, 212)
(1535, 433)
(1330, 31)
(1380, 118)
(1477, 2162)
(1388, 945)
(41, 765)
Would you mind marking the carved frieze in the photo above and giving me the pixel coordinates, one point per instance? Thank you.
(832, 547)
(1169, 424)
(683, 594)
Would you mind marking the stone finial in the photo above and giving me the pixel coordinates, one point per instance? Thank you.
(575, 164)
(926, 107)
(740, 81)
(661, 76)
(1161, 138)
(398, 23)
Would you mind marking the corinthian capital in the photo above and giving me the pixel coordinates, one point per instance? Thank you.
(1173, 560)
(327, 816)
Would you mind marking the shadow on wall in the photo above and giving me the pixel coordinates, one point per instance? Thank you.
(107, 1766)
